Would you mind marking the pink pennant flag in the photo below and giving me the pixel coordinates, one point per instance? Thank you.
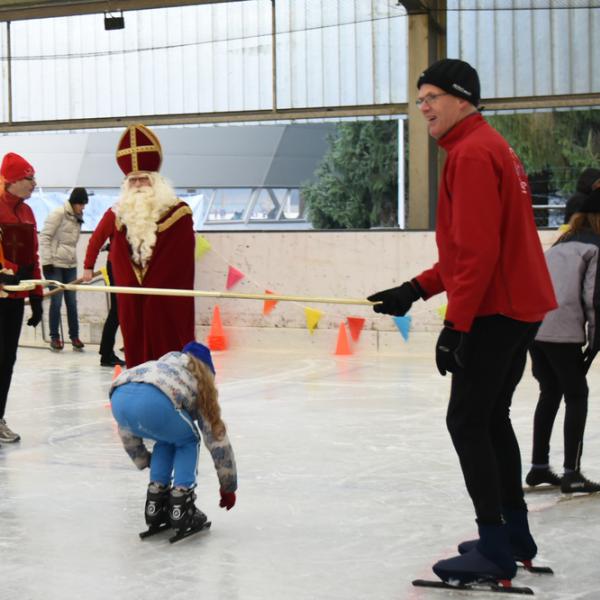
(233, 276)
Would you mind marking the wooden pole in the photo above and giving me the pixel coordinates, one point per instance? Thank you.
(30, 284)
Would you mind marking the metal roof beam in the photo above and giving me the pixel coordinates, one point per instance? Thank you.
(18, 10)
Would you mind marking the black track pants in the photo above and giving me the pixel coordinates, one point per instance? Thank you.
(478, 416)
(11, 320)
(560, 372)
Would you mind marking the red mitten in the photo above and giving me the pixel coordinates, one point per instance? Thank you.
(227, 499)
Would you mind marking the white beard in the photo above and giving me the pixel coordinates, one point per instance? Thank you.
(140, 209)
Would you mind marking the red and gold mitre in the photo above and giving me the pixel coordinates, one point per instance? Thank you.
(138, 150)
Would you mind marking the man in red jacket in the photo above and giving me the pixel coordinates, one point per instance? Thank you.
(152, 246)
(492, 268)
(19, 245)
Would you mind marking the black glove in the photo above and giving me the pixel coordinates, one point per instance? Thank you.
(6, 279)
(450, 351)
(588, 358)
(25, 272)
(396, 301)
(36, 310)
(48, 271)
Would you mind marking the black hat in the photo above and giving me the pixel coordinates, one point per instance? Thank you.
(455, 77)
(78, 196)
(587, 179)
(592, 203)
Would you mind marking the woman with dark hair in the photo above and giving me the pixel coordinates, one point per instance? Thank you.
(559, 360)
(588, 181)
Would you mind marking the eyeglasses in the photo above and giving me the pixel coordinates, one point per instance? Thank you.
(429, 99)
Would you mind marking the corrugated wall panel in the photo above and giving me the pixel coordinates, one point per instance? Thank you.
(522, 52)
(210, 58)
(341, 52)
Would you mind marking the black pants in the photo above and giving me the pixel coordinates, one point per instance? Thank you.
(560, 372)
(109, 331)
(478, 416)
(11, 320)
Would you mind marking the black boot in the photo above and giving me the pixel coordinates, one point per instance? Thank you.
(574, 482)
(183, 514)
(489, 559)
(540, 475)
(522, 544)
(157, 505)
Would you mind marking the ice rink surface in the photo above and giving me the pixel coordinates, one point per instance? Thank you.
(349, 487)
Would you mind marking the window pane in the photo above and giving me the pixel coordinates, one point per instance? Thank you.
(229, 204)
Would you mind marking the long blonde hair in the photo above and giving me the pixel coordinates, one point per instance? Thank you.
(581, 222)
(208, 396)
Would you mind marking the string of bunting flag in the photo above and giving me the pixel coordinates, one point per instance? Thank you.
(313, 316)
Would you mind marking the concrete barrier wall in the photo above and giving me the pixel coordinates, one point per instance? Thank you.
(346, 264)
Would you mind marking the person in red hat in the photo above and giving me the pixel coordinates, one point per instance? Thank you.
(152, 246)
(19, 261)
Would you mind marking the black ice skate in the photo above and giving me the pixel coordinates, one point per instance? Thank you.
(156, 511)
(184, 517)
(544, 477)
(504, 587)
(575, 483)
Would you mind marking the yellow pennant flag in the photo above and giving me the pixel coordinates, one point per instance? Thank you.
(442, 311)
(104, 273)
(313, 317)
(202, 246)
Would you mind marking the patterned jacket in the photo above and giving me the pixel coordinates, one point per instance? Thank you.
(172, 377)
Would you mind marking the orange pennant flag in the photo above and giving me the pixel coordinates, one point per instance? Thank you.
(269, 305)
(233, 276)
(355, 325)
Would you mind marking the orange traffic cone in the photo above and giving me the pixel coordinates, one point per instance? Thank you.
(343, 346)
(216, 337)
(118, 370)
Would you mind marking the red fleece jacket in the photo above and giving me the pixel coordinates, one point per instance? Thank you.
(490, 259)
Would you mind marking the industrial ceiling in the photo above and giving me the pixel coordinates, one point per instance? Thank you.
(16, 10)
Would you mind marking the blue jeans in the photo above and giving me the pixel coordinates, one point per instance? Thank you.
(64, 276)
(145, 411)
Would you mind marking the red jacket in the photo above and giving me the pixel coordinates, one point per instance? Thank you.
(14, 210)
(104, 231)
(490, 259)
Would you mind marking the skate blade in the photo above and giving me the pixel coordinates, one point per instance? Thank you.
(180, 536)
(528, 566)
(153, 531)
(540, 489)
(474, 587)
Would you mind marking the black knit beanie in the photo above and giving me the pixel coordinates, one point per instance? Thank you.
(78, 196)
(592, 203)
(455, 77)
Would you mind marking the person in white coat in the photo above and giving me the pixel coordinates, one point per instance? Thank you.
(58, 252)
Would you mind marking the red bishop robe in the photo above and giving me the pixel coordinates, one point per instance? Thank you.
(155, 325)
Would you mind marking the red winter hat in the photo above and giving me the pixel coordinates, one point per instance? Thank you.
(15, 168)
(138, 150)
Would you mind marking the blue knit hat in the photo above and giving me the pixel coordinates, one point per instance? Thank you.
(201, 352)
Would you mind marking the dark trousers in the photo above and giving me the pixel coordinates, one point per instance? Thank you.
(478, 417)
(11, 320)
(109, 331)
(560, 372)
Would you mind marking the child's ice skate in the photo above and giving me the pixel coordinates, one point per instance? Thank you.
(184, 517)
(156, 511)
